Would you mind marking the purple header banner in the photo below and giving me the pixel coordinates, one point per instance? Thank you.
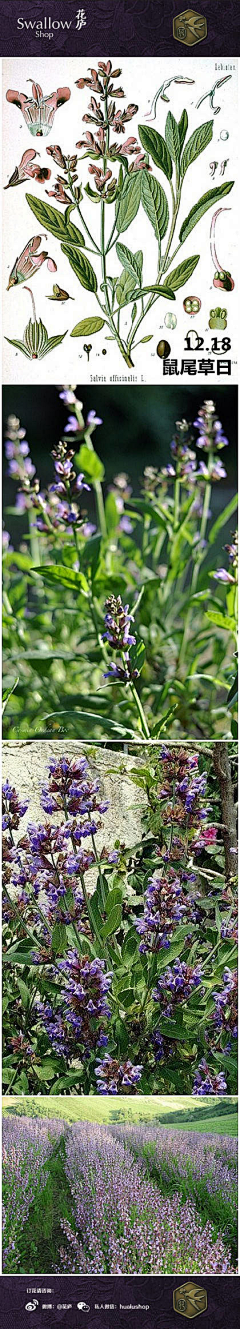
(120, 27)
(44, 1302)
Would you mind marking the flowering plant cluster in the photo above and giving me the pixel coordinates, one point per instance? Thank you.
(142, 959)
(171, 1198)
(145, 646)
(128, 171)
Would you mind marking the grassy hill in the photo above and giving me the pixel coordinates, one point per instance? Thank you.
(106, 1110)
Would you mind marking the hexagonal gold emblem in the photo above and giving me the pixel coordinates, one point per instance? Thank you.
(190, 1300)
(189, 27)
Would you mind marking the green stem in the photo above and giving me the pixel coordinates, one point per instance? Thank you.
(103, 251)
(84, 223)
(197, 564)
(138, 704)
(100, 507)
(34, 542)
(161, 269)
(176, 503)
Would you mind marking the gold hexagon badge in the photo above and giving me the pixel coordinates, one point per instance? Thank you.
(189, 27)
(190, 1300)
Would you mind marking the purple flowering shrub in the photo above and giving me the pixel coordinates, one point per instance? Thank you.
(145, 645)
(26, 1150)
(126, 983)
(131, 1199)
(202, 1167)
(122, 1221)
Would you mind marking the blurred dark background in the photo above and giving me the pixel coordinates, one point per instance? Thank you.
(138, 424)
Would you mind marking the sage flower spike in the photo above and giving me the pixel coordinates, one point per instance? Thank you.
(38, 111)
(29, 261)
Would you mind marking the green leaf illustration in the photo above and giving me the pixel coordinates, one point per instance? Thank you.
(196, 144)
(125, 287)
(182, 128)
(87, 327)
(156, 290)
(81, 266)
(19, 345)
(91, 193)
(153, 143)
(129, 202)
(172, 137)
(132, 262)
(60, 225)
(49, 218)
(51, 343)
(155, 204)
(180, 275)
(74, 234)
(206, 201)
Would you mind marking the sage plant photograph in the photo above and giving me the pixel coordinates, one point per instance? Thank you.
(120, 562)
(143, 1188)
(120, 919)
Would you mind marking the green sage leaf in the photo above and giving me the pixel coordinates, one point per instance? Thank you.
(81, 266)
(75, 236)
(87, 327)
(113, 921)
(196, 144)
(132, 262)
(157, 290)
(48, 217)
(125, 287)
(207, 200)
(127, 209)
(153, 143)
(172, 137)
(181, 274)
(89, 462)
(65, 576)
(182, 128)
(221, 620)
(223, 518)
(155, 204)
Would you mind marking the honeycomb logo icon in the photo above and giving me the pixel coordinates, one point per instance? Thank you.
(189, 27)
(190, 1300)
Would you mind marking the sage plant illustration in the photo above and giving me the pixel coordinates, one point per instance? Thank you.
(122, 178)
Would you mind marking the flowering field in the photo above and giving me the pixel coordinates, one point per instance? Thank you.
(122, 1200)
(130, 987)
(146, 644)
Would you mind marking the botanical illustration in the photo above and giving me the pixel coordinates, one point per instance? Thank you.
(147, 642)
(131, 174)
(129, 1191)
(119, 960)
